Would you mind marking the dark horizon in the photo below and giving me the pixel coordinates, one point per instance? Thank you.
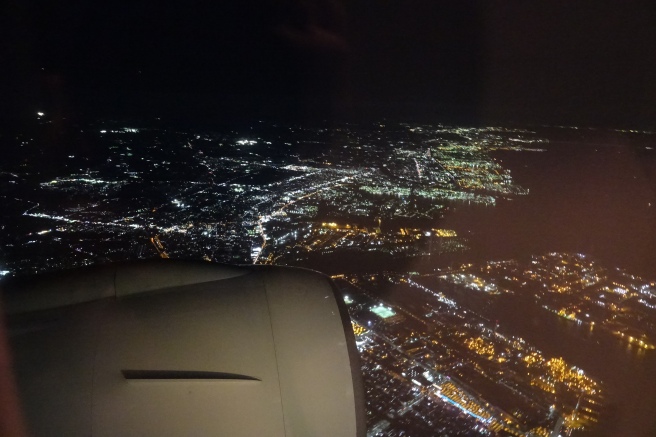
(583, 64)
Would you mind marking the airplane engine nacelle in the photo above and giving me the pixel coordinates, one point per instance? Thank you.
(172, 348)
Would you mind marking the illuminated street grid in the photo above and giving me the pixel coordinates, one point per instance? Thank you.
(575, 287)
(435, 359)
(280, 195)
(259, 195)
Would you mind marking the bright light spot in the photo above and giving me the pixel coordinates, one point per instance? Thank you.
(176, 202)
(4, 272)
(103, 131)
(40, 114)
(382, 311)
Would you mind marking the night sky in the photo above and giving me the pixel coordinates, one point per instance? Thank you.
(589, 63)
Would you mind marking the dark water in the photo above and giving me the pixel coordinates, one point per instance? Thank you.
(628, 374)
(595, 198)
(598, 200)
(584, 197)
